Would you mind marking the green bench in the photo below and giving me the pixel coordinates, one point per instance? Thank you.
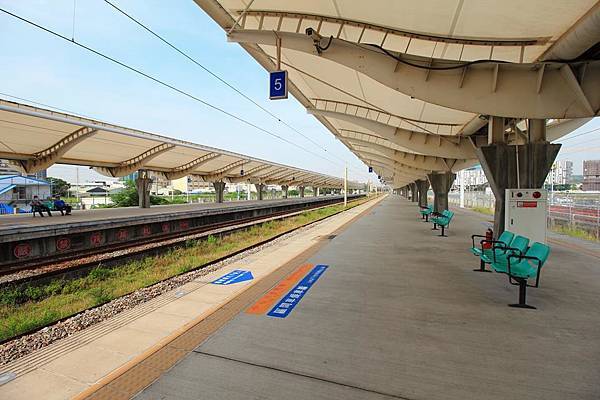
(442, 219)
(517, 260)
(426, 212)
(485, 249)
(520, 268)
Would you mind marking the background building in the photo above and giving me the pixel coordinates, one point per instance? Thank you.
(561, 173)
(474, 177)
(17, 191)
(591, 175)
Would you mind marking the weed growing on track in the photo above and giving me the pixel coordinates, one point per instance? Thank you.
(25, 308)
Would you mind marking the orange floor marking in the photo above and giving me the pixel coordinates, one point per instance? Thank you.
(266, 302)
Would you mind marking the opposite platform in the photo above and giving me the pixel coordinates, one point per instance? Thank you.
(25, 240)
(400, 314)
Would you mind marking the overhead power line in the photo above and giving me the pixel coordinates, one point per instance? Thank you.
(219, 78)
(580, 134)
(160, 82)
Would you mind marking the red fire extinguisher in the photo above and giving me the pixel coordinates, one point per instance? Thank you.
(489, 236)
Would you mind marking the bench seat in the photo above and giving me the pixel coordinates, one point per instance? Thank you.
(486, 255)
(499, 260)
(442, 219)
(426, 212)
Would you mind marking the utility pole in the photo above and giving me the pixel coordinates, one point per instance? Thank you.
(77, 184)
(345, 185)
(462, 188)
(187, 190)
(552, 171)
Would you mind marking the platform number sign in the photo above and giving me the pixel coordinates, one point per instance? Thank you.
(370, 169)
(278, 85)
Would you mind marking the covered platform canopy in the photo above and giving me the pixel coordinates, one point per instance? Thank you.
(35, 139)
(409, 86)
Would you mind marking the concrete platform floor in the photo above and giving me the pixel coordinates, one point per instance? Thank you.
(400, 314)
(106, 214)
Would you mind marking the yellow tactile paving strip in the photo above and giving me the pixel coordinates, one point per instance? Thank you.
(198, 314)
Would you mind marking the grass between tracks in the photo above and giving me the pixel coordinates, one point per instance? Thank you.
(28, 307)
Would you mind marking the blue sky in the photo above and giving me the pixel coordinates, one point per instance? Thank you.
(39, 67)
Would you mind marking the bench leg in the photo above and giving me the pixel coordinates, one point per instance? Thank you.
(443, 232)
(481, 267)
(434, 227)
(522, 296)
(426, 218)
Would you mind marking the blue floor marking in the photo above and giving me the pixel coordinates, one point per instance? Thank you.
(235, 276)
(287, 303)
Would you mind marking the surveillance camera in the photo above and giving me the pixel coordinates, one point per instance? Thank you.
(313, 34)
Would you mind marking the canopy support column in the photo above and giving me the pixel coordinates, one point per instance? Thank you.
(413, 192)
(143, 183)
(259, 191)
(284, 191)
(422, 188)
(441, 184)
(517, 166)
(301, 190)
(219, 191)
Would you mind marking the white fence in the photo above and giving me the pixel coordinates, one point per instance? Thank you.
(578, 210)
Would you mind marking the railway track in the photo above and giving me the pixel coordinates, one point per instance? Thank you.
(78, 264)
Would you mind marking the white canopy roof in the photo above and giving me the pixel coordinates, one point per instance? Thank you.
(418, 79)
(35, 138)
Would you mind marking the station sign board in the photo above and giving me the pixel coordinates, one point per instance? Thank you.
(278, 85)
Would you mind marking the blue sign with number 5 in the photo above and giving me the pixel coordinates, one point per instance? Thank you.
(278, 88)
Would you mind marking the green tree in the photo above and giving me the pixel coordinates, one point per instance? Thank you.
(128, 197)
(59, 186)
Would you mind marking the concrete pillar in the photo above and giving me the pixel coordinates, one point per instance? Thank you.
(284, 191)
(512, 167)
(441, 184)
(315, 189)
(318, 192)
(496, 130)
(413, 192)
(219, 191)
(422, 188)
(143, 183)
(259, 190)
(301, 190)
(537, 130)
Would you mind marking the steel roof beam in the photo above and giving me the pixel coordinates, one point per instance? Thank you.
(50, 156)
(420, 143)
(415, 160)
(297, 176)
(187, 168)
(431, 127)
(528, 90)
(252, 175)
(319, 19)
(398, 165)
(220, 173)
(136, 163)
(391, 166)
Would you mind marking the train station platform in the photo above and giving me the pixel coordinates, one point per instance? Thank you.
(400, 314)
(28, 239)
(9, 223)
(383, 308)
